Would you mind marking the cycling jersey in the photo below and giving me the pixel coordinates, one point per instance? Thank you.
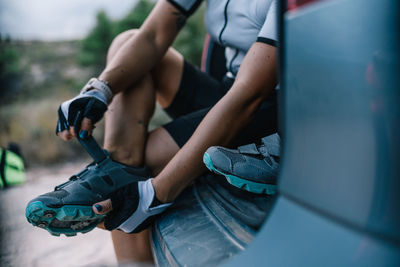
(236, 25)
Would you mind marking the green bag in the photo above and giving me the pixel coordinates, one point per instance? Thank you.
(12, 169)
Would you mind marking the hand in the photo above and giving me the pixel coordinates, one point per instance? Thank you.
(84, 110)
(132, 208)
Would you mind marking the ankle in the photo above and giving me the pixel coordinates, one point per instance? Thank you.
(127, 157)
(162, 192)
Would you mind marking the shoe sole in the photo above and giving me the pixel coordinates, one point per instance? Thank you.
(250, 186)
(68, 219)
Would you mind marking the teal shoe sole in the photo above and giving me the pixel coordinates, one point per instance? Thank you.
(68, 220)
(250, 186)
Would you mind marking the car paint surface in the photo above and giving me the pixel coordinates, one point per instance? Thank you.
(340, 178)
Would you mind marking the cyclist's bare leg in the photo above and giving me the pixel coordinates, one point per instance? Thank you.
(126, 134)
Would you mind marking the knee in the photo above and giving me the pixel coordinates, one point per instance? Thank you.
(118, 41)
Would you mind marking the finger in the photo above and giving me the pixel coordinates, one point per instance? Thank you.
(72, 131)
(86, 128)
(102, 207)
(65, 135)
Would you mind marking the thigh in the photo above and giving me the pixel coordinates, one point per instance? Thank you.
(262, 124)
(197, 90)
(160, 149)
(180, 87)
(166, 74)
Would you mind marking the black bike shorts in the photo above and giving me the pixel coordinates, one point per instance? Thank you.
(198, 92)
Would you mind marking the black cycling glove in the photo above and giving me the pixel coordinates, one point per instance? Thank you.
(92, 103)
(135, 207)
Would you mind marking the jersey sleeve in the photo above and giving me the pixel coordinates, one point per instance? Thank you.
(269, 31)
(187, 7)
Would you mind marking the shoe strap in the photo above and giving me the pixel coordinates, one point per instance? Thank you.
(271, 145)
(93, 148)
(250, 149)
(70, 180)
(254, 150)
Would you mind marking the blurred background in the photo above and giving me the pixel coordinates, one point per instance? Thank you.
(48, 51)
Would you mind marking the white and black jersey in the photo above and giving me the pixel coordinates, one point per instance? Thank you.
(236, 25)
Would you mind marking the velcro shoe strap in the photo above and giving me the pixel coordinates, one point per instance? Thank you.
(264, 151)
(272, 144)
(250, 149)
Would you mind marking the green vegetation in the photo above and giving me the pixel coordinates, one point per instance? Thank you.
(94, 46)
(135, 18)
(9, 70)
(191, 38)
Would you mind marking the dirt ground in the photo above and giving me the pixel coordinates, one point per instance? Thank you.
(24, 245)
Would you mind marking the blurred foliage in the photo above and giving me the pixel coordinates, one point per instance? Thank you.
(94, 47)
(46, 74)
(43, 69)
(191, 38)
(9, 70)
(135, 17)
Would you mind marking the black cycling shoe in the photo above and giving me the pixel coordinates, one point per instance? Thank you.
(68, 209)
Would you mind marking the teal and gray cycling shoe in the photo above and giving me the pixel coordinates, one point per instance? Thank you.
(68, 209)
(250, 167)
